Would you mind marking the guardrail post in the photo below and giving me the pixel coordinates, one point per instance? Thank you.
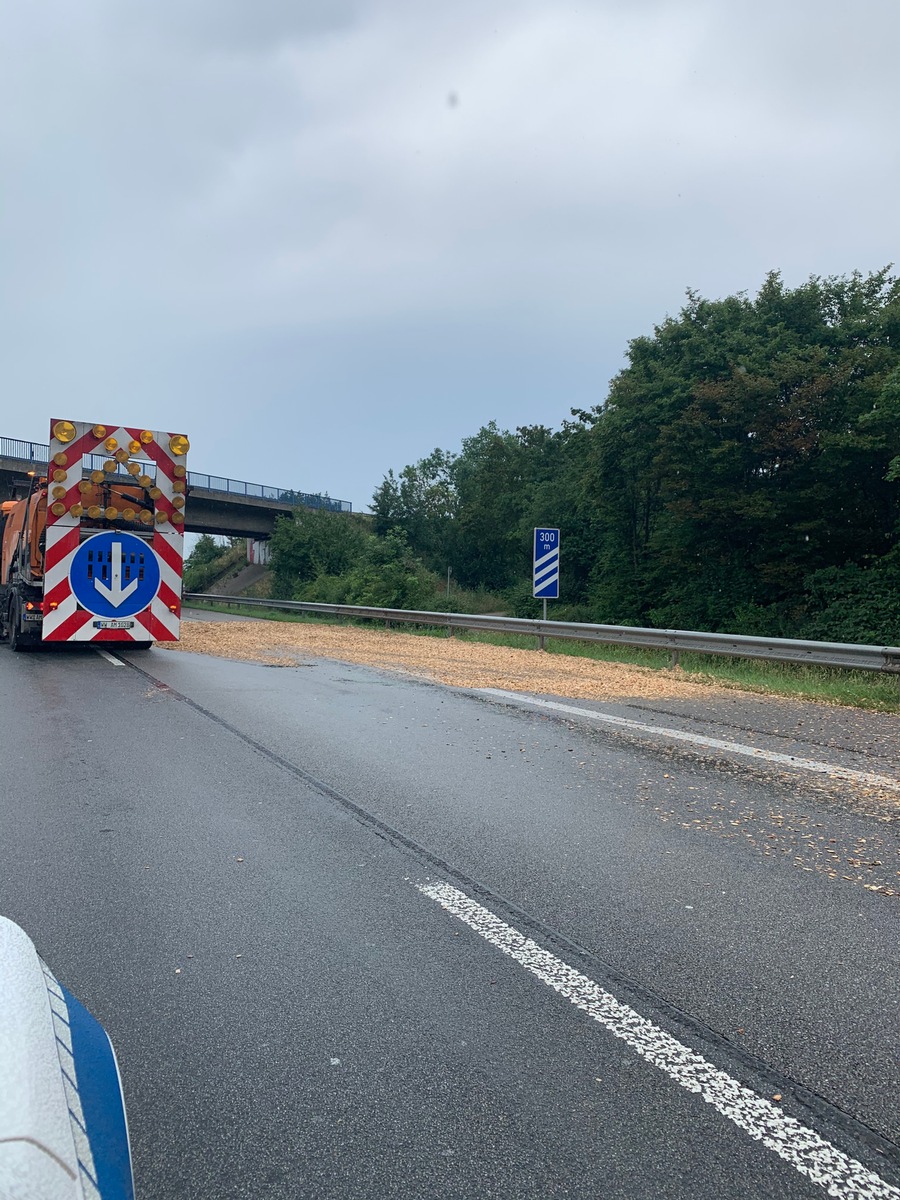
(674, 659)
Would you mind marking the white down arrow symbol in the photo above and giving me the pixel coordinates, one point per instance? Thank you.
(115, 595)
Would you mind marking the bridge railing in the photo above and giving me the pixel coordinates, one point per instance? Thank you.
(262, 491)
(38, 453)
(34, 452)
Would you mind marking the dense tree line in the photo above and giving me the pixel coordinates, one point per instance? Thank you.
(742, 474)
(335, 558)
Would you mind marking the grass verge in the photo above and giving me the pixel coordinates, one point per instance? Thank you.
(857, 689)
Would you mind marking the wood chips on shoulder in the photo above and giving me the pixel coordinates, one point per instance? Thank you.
(447, 660)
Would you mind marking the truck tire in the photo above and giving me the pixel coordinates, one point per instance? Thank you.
(16, 643)
(18, 640)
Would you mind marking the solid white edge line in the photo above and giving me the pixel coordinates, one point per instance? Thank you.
(795, 1143)
(116, 662)
(682, 735)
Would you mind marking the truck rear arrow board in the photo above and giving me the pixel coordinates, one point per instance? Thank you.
(103, 582)
(116, 595)
(114, 574)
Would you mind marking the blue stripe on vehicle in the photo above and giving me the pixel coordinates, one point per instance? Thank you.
(101, 1102)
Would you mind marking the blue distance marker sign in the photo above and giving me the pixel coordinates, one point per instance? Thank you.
(546, 564)
(114, 574)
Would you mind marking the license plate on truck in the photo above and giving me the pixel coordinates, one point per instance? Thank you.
(113, 624)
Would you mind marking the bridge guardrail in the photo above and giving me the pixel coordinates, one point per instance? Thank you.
(261, 491)
(38, 453)
(846, 655)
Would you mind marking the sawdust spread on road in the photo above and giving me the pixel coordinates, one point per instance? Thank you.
(445, 659)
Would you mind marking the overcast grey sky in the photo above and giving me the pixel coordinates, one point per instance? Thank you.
(324, 237)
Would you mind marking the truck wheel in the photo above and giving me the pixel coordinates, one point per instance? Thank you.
(15, 635)
(18, 640)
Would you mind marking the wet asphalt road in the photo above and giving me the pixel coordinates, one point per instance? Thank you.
(221, 860)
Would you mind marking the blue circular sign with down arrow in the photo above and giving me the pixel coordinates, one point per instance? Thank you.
(114, 574)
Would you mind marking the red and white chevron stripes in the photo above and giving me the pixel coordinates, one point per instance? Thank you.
(65, 620)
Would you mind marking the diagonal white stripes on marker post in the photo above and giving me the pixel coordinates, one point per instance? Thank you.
(548, 570)
(797, 1144)
(554, 553)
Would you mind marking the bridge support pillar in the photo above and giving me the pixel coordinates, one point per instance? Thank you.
(258, 551)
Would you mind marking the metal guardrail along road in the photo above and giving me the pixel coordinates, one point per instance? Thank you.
(38, 453)
(786, 650)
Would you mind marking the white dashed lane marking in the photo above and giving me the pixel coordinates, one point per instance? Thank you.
(116, 662)
(682, 735)
(765, 1122)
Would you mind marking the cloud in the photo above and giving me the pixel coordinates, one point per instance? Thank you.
(210, 204)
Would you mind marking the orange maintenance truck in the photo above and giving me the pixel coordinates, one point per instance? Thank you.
(94, 551)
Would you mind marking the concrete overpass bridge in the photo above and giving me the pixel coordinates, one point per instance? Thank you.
(216, 505)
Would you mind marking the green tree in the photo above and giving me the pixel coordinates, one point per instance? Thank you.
(422, 501)
(314, 542)
(206, 550)
(385, 575)
(747, 445)
(743, 472)
(390, 576)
